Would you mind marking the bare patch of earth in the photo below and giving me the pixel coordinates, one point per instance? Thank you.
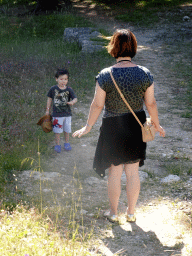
(69, 184)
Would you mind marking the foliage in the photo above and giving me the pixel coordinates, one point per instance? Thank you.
(32, 48)
(46, 27)
(17, 2)
(149, 12)
(143, 3)
(25, 232)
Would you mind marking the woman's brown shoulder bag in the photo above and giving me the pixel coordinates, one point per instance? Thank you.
(148, 130)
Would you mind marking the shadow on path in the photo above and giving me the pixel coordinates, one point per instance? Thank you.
(132, 237)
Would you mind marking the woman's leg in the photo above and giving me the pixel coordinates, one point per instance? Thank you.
(133, 185)
(114, 187)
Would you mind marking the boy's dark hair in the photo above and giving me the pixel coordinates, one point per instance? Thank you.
(61, 72)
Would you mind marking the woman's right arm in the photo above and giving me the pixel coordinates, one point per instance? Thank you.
(94, 112)
(151, 105)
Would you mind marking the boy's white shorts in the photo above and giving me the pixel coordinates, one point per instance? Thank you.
(61, 124)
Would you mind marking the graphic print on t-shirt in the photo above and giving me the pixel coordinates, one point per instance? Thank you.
(60, 101)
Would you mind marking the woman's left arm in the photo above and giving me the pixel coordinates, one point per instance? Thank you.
(94, 112)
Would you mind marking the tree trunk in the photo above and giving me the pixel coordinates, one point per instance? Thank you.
(44, 6)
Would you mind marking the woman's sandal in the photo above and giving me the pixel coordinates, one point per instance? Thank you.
(131, 218)
(113, 218)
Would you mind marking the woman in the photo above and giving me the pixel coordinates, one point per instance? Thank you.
(120, 146)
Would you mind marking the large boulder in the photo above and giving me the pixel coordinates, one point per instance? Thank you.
(83, 37)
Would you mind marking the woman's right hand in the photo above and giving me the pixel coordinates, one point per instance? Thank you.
(82, 131)
(160, 130)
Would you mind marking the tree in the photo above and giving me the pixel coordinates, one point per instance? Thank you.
(44, 6)
(51, 5)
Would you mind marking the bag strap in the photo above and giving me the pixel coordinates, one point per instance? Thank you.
(123, 98)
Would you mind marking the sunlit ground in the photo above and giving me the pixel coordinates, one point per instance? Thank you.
(164, 222)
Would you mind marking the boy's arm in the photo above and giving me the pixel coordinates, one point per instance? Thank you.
(72, 102)
(49, 101)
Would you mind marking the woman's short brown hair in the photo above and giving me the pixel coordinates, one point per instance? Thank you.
(123, 43)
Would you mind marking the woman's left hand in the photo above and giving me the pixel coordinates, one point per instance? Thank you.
(82, 131)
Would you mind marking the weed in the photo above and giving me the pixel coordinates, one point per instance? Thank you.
(183, 72)
(150, 174)
(18, 223)
(29, 59)
(189, 171)
(149, 13)
(80, 115)
(26, 232)
(141, 17)
(175, 169)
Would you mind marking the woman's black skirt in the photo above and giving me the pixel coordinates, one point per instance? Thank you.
(120, 142)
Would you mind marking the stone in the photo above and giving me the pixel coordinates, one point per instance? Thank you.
(46, 190)
(89, 47)
(83, 211)
(170, 178)
(37, 175)
(90, 214)
(95, 34)
(72, 34)
(186, 18)
(189, 182)
(142, 175)
(83, 37)
(92, 181)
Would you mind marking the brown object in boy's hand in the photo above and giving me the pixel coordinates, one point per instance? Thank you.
(46, 123)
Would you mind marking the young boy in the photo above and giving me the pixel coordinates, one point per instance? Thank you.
(62, 97)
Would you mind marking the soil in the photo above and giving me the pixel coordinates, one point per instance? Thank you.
(163, 210)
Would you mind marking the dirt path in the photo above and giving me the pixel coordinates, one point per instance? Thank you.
(162, 226)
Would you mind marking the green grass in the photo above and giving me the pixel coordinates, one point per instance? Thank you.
(149, 13)
(175, 169)
(38, 28)
(189, 171)
(183, 71)
(140, 17)
(178, 169)
(17, 2)
(28, 63)
(32, 48)
(26, 232)
(39, 230)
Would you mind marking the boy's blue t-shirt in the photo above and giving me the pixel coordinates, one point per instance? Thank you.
(60, 98)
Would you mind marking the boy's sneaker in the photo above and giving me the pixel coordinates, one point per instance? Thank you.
(58, 148)
(67, 146)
